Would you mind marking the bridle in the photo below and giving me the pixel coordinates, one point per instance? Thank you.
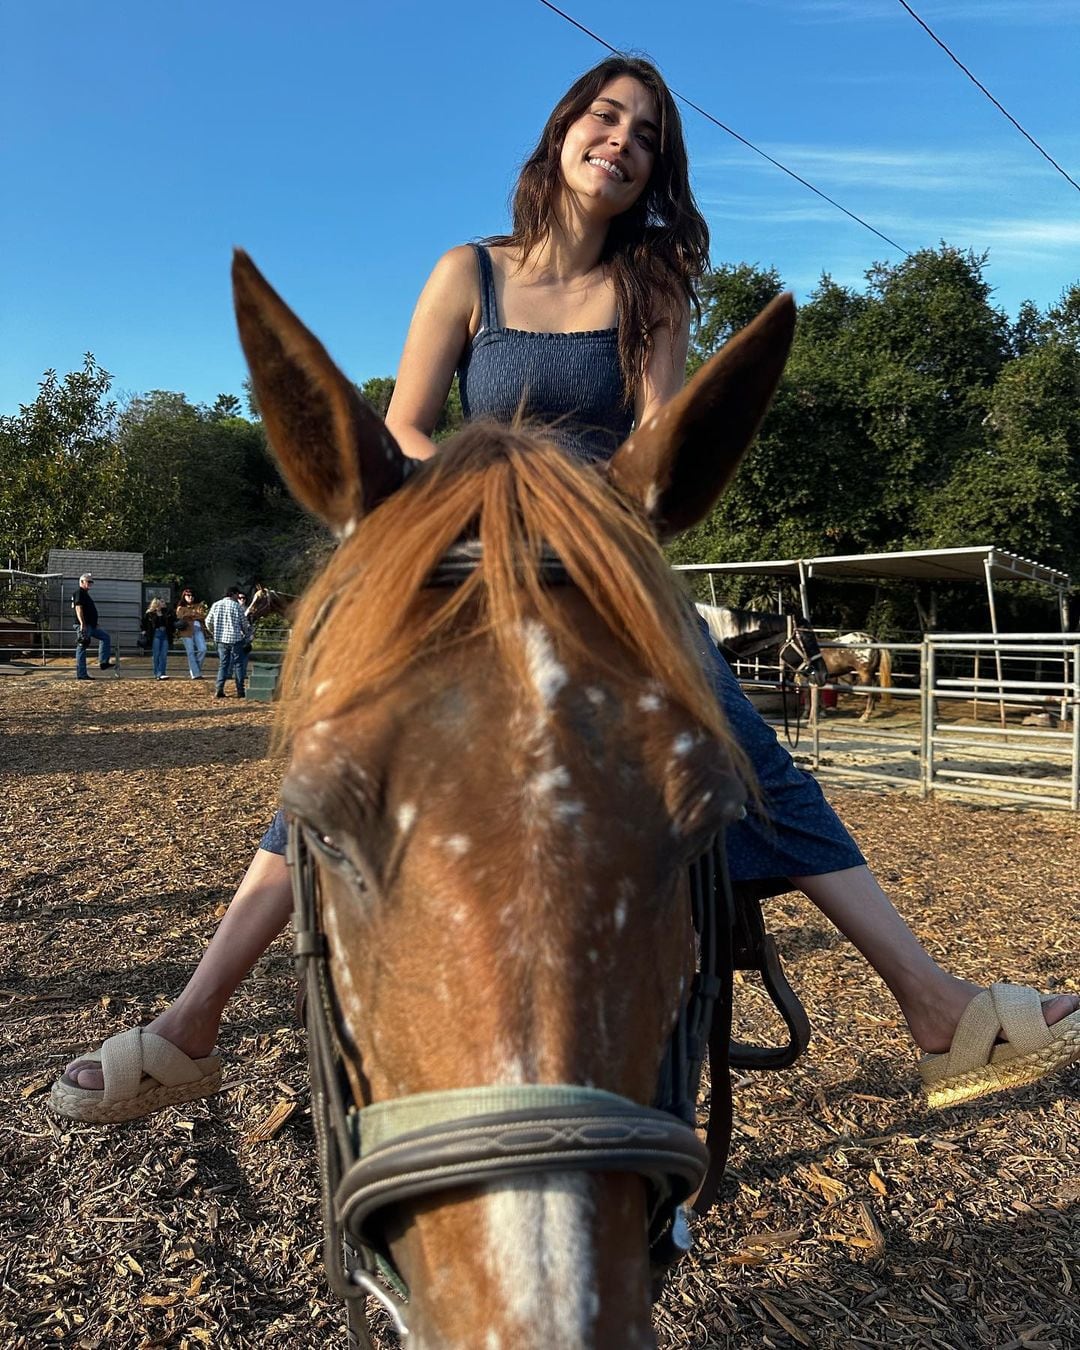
(378, 1155)
(796, 661)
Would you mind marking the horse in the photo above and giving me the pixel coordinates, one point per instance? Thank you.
(743, 633)
(868, 665)
(266, 600)
(503, 755)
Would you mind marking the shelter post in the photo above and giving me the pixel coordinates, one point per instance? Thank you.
(988, 565)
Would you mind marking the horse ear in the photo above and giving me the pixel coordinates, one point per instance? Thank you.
(677, 464)
(334, 450)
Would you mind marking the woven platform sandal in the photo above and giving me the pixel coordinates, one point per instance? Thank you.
(142, 1074)
(976, 1063)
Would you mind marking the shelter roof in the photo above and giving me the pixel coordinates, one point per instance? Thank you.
(103, 563)
(935, 564)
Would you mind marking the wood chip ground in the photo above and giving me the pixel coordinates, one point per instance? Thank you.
(852, 1217)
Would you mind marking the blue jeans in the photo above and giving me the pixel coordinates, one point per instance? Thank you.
(160, 650)
(195, 646)
(229, 655)
(104, 649)
(242, 661)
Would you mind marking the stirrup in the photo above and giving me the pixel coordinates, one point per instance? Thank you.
(755, 949)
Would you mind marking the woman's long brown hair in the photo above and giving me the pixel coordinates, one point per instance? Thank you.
(656, 251)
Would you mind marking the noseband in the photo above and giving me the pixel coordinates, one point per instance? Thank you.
(377, 1156)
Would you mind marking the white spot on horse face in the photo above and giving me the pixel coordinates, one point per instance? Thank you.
(595, 696)
(650, 702)
(458, 845)
(321, 688)
(547, 674)
(540, 1256)
(550, 779)
(568, 810)
(682, 744)
(405, 817)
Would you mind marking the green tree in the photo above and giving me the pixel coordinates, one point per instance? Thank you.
(56, 468)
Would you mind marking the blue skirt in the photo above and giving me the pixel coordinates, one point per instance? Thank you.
(799, 833)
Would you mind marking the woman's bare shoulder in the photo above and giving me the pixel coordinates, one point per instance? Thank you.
(455, 264)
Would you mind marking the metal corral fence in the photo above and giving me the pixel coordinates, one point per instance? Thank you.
(27, 644)
(978, 714)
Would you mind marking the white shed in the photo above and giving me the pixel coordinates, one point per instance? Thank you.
(118, 594)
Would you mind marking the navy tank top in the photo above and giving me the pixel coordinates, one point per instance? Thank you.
(569, 381)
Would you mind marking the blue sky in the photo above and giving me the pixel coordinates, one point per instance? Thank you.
(345, 144)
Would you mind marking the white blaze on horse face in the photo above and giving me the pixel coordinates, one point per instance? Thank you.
(405, 817)
(549, 779)
(548, 675)
(540, 1256)
(458, 845)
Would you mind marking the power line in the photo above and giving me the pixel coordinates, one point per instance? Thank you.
(924, 25)
(741, 139)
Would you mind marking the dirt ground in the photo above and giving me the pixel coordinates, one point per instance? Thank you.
(851, 1216)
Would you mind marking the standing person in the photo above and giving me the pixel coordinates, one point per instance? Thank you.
(157, 624)
(245, 646)
(191, 625)
(87, 616)
(582, 312)
(228, 625)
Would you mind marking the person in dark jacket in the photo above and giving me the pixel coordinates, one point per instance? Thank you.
(159, 626)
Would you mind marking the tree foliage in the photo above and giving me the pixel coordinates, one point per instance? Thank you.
(911, 415)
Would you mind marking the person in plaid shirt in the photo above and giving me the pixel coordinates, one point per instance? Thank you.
(230, 629)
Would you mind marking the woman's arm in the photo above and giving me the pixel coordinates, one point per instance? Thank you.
(444, 317)
(665, 371)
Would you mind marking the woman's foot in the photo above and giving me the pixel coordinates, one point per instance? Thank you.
(193, 1033)
(932, 1014)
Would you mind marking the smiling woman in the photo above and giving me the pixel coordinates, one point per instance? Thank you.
(526, 694)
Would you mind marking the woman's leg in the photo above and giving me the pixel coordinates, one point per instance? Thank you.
(200, 651)
(930, 998)
(800, 838)
(258, 912)
(189, 648)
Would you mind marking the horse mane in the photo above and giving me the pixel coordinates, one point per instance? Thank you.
(359, 626)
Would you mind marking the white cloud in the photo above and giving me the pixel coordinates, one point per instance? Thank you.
(924, 170)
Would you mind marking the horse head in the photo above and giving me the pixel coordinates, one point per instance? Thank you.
(801, 654)
(259, 603)
(504, 753)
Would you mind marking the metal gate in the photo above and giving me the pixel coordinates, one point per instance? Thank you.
(995, 716)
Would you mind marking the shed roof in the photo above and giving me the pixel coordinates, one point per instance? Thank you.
(935, 564)
(103, 563)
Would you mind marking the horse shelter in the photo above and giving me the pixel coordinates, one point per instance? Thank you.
(988, 714)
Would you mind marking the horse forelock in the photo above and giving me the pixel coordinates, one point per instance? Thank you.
(370, 614)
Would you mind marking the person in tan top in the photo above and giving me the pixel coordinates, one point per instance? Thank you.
(191, 627)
